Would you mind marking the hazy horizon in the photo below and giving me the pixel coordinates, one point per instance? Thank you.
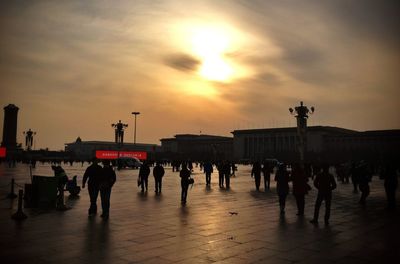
(74, 68)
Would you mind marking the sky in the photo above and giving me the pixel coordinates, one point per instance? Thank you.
(75, 67)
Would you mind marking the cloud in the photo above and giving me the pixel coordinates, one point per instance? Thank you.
(182, 62)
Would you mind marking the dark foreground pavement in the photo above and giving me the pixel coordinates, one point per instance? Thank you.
(145, 228)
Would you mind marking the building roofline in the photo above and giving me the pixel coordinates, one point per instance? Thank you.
(110, 142)
(290, 129)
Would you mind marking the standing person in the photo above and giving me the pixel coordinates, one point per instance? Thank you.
(325, 183)
(106, 182)
(208, 170)
(256, 172)
(61, 180)
(144, 172)
(364, 177)
(185, 175)
(158, 173)
(354, 177)
(220, 168)
(390, 176)
(227, 174)
(267, 170)
(234, 168)
(300, 187)
(93, 173)
(282, 185)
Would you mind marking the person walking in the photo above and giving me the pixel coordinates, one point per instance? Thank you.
(106, 183)
(325, 183)
(364, 177)
(144, 172)
(220, 168)
(208, 170)
(158, 173)
(390, 183)
(227, 174)
(92, 176)
(185, 176)
(267, 170)
(300, 187)
(282, 186)
(256, 173)
(354, 176)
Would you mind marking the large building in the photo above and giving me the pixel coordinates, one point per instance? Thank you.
(322, 143)
(86, 150)
(197, 147)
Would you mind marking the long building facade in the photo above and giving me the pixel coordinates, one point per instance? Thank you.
(197, 147)
(323, 143)
(86, 150)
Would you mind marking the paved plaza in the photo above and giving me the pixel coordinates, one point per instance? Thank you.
(239, 225)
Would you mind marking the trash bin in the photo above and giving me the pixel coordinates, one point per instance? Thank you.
(44, 191)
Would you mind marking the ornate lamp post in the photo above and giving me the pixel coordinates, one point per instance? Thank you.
(119, 132)
(29, 138)
(301, 113)
(134, 133)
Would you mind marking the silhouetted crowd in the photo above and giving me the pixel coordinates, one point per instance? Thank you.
(101, 180)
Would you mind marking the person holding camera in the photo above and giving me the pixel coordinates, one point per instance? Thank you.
(185, 181)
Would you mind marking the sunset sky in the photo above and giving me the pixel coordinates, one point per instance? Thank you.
(75, 67)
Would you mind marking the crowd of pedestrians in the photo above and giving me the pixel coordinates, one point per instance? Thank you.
(101, 180)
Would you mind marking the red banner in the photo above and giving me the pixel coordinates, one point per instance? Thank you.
(112, 154)
(3, 152)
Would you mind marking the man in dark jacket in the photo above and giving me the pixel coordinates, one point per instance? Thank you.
(185, 175)
(158, 173)
(106, 182)
(256, 172)
(325, 183)
(144, 172)
(93, 173)
(208, 170)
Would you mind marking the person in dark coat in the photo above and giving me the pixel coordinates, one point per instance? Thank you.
(220, 168)
(364, 177)
(208, 170)
(354, 177)
(325, 183)
(106, 183)
(227, 174)
(144, 172)
(185, 176)
(256, 173)
(282, 185)
(92, 175)
(391, 182)
(267, 170)
(300, 187)
(158, 173)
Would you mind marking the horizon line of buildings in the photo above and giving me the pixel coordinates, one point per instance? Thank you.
(322, 143)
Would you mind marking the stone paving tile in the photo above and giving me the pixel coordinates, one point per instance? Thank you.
(145, 228)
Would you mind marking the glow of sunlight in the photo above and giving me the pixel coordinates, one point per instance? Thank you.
(201, 88)
(211, 44)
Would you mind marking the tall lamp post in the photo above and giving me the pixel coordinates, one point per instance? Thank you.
(301, 113)
(134, 133)
(29, 138)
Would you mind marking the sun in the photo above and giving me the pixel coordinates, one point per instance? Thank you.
(211, 44)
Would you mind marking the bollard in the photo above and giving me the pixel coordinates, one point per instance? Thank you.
(19, 215)
(12, 194)
(60, 202)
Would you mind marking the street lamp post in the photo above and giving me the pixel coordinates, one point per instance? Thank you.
(134, 133)
(301, 113)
